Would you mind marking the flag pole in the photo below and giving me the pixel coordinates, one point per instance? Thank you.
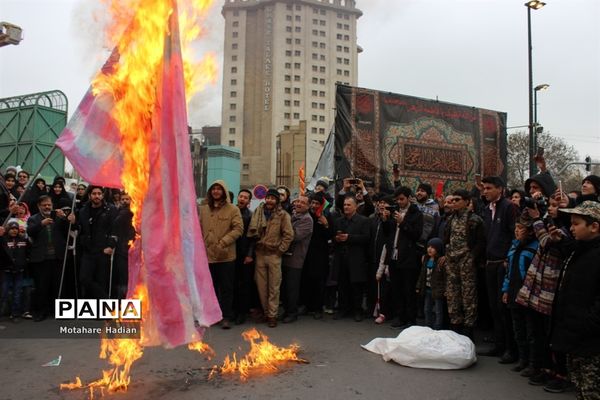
(62, 275)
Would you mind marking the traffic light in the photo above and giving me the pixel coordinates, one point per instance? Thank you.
(588, 163)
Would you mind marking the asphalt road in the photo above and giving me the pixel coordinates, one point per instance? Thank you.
(338, 368)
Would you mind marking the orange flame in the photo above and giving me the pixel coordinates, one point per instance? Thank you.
(263, 356)
(202, 347)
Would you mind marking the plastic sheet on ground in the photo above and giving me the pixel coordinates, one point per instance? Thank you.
(422, 347)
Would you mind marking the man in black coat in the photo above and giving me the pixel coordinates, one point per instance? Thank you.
(499, 216)
(98, 240)
(351, 243)
(48, 233)
(403, 231)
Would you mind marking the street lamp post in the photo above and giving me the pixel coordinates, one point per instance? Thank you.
(536, 89)
(531, 5)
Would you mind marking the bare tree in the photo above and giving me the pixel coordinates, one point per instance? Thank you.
(557, 154)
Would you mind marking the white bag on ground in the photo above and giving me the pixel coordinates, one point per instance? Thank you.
(422, 347)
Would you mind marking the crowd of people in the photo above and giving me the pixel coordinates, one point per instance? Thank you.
(520, 263)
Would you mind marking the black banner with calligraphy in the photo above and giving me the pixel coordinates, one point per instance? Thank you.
(431, 141)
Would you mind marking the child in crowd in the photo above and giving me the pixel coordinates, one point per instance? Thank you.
(14, 247)
(576, 313)
(432, 283)
(519, 258)
(537, 295)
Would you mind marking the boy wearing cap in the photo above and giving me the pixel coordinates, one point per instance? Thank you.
(14, 260)
(576, 314)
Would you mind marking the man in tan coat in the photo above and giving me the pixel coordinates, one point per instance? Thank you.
(221, 224)
(271, 228)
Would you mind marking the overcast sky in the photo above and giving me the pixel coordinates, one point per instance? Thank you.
(471, 52)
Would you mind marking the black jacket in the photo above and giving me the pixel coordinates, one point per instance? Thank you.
(39, 238)
(243, 245)
(352, 255)
(500, 231)
(98, 233)
(576, 314)
(123, 229)
(14, 253)
(410, 233)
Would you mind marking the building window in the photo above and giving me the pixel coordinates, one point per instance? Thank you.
(286, 127)
(314, 117)
(286, 115)
(315, 68)
(315, 80)
(338, 36)
(234, 57)
(287, 103)
(234, 34)
(234, 70)
(288, 65)
(339, 25)
(297, 65)
(234, 46)
(232, 143)
(322, 11)
(232, 94)
(296, 78)
(346, 27)
(288, 28)
(346, 49)
(322, 57)
(321, 118)
(322, 45)
(338, 48)
(322, 69)
(338, 60)
(346, 73)
(236, 13)
(232, 131)
(313, 105)
(296, 115)
(298, 29)
(296, 90)
(322, 106)
(232, 118)
(298, 7)
(296, 103)
(297, 41)
(346, 37)
(313, 130)
(315, 21)
(298, 18)
(321, 94)
(346, 61)
(322, 22)
(322, 131)
(314, 93)
(233, 82)
(235, 24)
(288, 77)
(288, 41)
(322, 33)
(322, 142)
(288, 17)
(315, 32)
(245, 166)
(338, 71)
(322, 81)
(287, 90)
(315, 56)
(232, 106)
(288, 53)
(297, 53)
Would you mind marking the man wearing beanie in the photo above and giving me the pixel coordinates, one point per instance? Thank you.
(590, 189)
(271, 228)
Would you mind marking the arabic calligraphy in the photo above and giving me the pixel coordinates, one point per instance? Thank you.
(433, 159)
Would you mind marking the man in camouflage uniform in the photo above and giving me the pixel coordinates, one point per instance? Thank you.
(464, 245)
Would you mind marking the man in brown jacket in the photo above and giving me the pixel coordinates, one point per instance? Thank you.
(271, 228)
(221, 224)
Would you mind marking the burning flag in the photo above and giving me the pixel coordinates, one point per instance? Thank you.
(130, 131)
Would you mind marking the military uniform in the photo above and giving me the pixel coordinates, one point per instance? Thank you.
(461, 276)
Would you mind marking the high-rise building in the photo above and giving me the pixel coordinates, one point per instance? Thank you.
(282, 60)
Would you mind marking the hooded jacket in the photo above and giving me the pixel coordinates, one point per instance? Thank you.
(221, 226)
(545, 181)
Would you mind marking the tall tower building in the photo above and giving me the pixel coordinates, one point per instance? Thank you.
(282, 60)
